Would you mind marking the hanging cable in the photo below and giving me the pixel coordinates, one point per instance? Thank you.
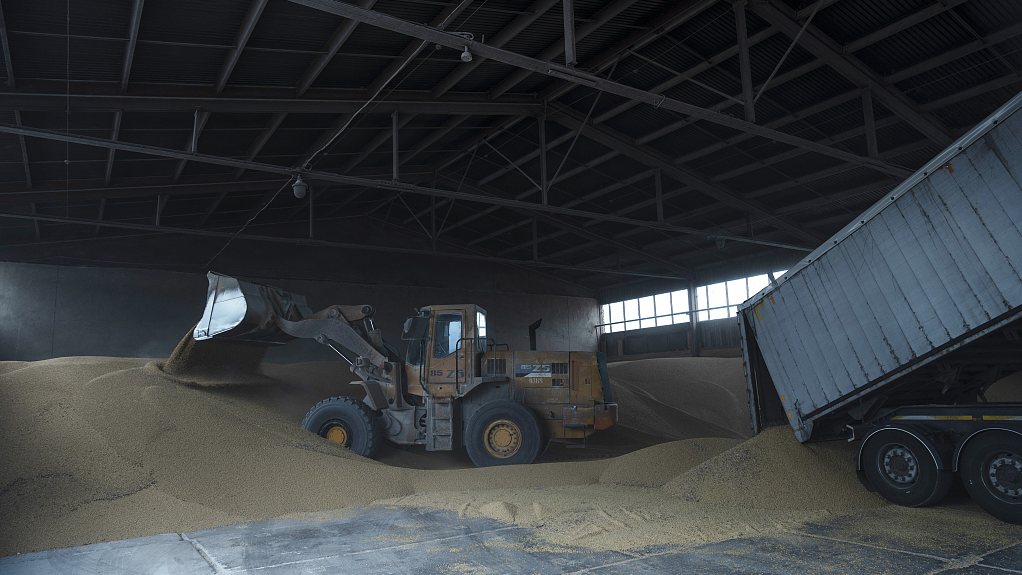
(237, 233)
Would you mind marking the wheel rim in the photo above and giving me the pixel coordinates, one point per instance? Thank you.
(899, 465)
(502, 438)
(337, 432)
(1002, 474)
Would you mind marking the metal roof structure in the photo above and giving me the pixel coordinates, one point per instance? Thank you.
(688, 135)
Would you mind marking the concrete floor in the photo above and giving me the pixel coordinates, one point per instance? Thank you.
(416, 541)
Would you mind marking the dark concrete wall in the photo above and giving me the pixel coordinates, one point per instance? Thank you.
(53, 311)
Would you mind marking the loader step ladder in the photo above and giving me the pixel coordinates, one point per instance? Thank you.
(568, 444)
(439, 424)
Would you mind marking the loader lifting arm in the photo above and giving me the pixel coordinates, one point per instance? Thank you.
(263, 315)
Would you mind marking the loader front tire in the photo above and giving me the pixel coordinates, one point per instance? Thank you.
(503, 432)
(347, 421)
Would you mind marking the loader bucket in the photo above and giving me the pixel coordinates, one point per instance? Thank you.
(247, 312)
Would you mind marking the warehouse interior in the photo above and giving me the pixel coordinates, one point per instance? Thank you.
(608, 177)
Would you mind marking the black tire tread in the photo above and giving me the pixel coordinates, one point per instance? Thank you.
(942, 479)
(505, 408)
(967, 466)
(367, 416)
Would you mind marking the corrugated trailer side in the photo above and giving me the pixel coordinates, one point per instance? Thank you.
(918, 301)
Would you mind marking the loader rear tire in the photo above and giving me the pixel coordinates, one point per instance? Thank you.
(503, 432)
(347, 421)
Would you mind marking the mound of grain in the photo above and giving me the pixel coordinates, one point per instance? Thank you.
(98, 449)
(774, 471)
(654, 466)
(1008, 389)
(683, 397)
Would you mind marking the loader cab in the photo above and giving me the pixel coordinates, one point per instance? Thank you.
(443, 341)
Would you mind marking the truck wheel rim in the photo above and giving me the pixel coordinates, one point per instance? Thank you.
(337, 434)
(502, 438)
(899, 465)
(1002, 472)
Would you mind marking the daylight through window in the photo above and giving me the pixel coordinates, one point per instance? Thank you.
(714, 301)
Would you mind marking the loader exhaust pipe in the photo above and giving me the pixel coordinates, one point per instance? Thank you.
(532, 334)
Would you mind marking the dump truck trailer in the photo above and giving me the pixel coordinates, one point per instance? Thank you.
(892, 330)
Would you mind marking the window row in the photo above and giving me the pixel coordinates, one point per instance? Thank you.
(714, 301)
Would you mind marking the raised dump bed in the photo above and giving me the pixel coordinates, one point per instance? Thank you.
(913, 307)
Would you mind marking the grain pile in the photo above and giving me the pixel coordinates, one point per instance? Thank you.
(99, 449)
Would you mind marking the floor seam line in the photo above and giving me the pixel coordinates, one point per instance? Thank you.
(403, 545)
(216, 565)
(944, 559)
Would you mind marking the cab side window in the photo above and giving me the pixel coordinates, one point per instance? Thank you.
(448, 332)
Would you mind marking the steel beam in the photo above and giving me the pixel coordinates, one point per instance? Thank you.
(412, 50)
(608, 13)
(995, 84)
(6, 47)
(381, 137)
(99, 217)
(503, 37)
(110, 153)
(566, 73)
(423, 144)
(870, 124)
(395, 152)
(544, 184)
(129, 50)
(615, 141)
(576, 229)
(35, 224)
(855, 71)
(905, 23)
(319, 243)
(743, 59)
(212, 208)
(569, 32)
(255, 10)
(682, 12)
(132, 103)
(340, 36)
(952, 55)
(336, 178)
(24, 152)
(262, 139)
(676, 15)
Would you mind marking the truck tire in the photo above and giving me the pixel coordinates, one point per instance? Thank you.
(503, 432)
(902, 470)
(347, 421)
(991, 468)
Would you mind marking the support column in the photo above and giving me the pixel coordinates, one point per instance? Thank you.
(544, 186)
(393, 138)
(693, 347)
(743, 60)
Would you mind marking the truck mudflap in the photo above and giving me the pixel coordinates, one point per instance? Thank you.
(245, 311)
(605, 415)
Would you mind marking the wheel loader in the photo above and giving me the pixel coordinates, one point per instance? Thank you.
(454, 386)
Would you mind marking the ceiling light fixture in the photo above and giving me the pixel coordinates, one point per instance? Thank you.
(300, 188)
(466, 56)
